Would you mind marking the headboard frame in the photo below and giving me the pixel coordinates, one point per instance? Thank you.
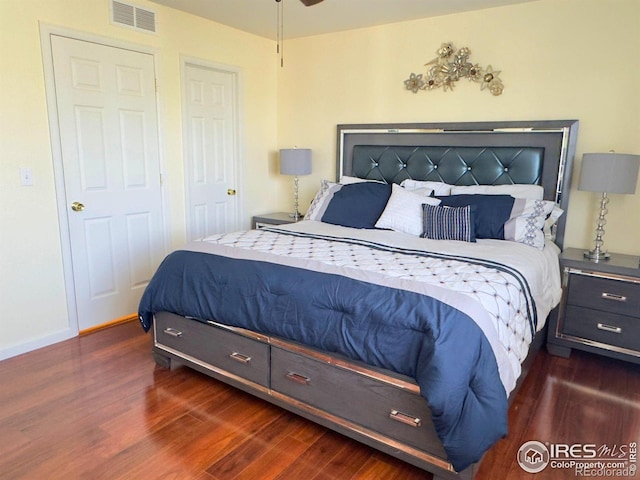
(470, 153)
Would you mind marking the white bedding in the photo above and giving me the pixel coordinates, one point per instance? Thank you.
(495, 309)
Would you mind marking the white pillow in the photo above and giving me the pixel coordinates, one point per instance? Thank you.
(424, 192)
(518, 190)
(321, 200)
(403, 212)
(527, 221)
(346, 180)
(438, 188)
(550, 223)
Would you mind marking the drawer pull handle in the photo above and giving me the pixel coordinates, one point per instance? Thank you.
(614, 296)
(238, 357)
(609, 328)
(173, 332)
(405, 418)
(296, 377)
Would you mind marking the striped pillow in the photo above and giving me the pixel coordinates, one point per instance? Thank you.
(448, 223)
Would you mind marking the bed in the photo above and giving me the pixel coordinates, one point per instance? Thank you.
(397, 313)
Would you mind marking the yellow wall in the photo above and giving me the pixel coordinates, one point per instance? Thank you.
(560, 59)
(32, 294)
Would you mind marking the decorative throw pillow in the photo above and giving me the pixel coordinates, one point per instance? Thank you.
(357, 205)
(551, 221)
(448, 223)
(321, 200)
(403, 212)
(526, 222)
(491, 212)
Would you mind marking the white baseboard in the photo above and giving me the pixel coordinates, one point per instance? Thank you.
(34, 344)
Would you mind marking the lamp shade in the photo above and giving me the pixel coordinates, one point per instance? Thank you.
(295, 161)
(609, 172)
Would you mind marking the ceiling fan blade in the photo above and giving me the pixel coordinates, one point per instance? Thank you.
(309, 3)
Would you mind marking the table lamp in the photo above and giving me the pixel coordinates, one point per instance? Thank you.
(607, 173)
(296, 162)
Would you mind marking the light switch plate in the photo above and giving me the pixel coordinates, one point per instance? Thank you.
(26, 177)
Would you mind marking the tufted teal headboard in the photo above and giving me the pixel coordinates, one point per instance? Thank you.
(452, 165)
(470, 153)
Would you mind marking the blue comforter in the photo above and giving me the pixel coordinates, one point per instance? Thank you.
(409, 333)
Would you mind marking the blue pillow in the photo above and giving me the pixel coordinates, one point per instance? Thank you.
(358, 205)
(490, 214)
(448, 223)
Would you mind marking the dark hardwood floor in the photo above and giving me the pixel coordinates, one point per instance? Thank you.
(97, 407)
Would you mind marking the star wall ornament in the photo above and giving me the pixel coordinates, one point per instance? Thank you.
(449, 67)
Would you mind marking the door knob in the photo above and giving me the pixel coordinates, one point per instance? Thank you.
(231, 191)
(77, 206)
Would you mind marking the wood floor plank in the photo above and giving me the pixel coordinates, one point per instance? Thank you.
(215, 440)
(240, 457)
(158, 453)
(314, 459)
(377, 468)
(98, 407)
(273, 461)
(346, 463)
(308, 432)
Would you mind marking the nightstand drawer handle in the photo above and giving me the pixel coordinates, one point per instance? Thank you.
(614, 296)
(609, 328)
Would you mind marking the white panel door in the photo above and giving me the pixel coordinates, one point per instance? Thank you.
(107, 119)
(210, 150)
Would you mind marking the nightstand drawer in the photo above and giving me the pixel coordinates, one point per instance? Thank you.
(600, 309)
(604, 294)
(608, 328)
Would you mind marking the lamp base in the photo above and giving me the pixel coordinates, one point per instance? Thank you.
(296, 215)
(597, 255)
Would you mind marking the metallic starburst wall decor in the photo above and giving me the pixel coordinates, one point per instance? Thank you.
(449, 67)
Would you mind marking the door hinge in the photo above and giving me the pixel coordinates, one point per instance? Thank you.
(161, 179)
(155, 82)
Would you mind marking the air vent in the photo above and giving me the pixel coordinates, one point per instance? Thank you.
(134, 17)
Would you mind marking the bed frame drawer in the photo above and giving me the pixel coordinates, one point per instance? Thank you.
(229, 351)
(360, 399)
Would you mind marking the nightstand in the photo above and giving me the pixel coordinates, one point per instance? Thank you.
(600, 307)
(277, 218)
